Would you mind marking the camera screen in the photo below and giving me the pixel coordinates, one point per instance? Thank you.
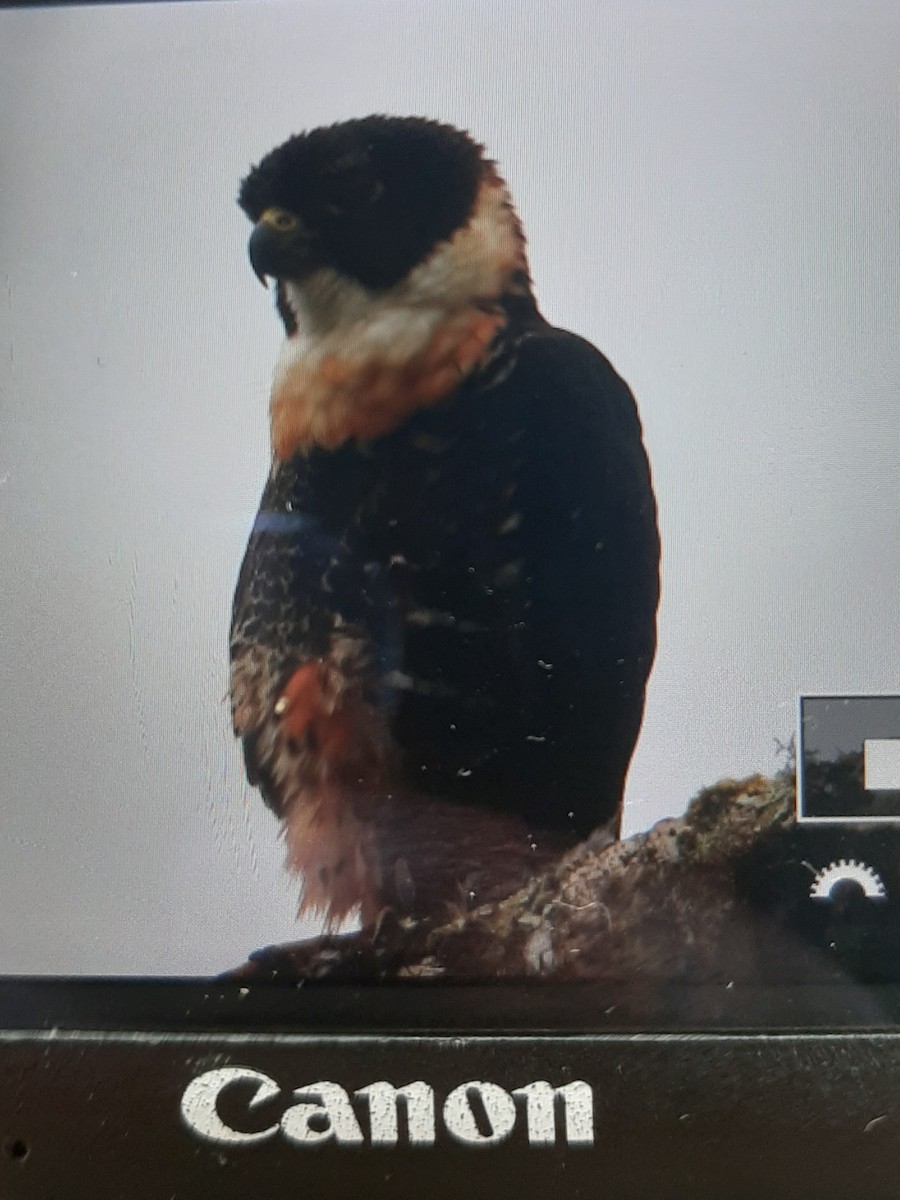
(510, 589)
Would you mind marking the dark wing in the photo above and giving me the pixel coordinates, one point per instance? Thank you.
(594, 571)
(546, 707)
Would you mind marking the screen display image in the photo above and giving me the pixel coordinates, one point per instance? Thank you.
(510, 589)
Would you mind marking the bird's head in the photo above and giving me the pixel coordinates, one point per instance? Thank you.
(394, 245)
(369, 201)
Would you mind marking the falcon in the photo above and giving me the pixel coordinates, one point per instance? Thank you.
(446, 615)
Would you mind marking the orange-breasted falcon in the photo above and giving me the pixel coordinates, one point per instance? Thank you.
(446, 614)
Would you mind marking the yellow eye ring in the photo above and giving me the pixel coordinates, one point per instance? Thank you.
(280, 220)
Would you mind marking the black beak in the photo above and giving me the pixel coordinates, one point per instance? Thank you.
(265, 249)
(282, 253)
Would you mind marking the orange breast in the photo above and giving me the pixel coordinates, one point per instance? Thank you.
(366, 397)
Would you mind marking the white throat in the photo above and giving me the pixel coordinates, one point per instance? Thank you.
(337, 316)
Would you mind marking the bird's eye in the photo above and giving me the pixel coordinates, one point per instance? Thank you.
(278, 219)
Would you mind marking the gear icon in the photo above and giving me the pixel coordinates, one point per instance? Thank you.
(847, 870)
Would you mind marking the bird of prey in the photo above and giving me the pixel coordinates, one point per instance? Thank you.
(446, 614)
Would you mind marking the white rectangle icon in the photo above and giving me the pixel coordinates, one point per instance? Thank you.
(881, 764)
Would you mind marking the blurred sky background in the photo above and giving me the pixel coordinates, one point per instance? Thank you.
(711, 196)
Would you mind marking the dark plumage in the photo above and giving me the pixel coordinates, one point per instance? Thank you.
(379, 194)
(443, 629)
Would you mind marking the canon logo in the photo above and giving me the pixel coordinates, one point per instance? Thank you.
(476, 1113)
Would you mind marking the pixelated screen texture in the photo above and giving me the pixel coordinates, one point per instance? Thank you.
(711, 196)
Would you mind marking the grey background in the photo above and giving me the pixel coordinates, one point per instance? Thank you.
(711, 196)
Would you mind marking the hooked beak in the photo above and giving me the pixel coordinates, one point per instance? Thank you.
(279, 246)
